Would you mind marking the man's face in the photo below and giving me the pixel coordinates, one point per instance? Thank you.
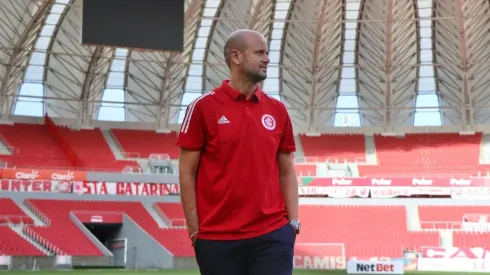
(255, 58)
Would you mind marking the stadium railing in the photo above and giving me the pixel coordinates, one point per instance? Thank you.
(15, 219)
(14, 151)
(438, 225)
(159, 156)
(315, 160)
(133, 169)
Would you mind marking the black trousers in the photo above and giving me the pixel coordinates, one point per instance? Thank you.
(269, 254)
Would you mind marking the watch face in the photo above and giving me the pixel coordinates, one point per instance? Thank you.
(296, 225)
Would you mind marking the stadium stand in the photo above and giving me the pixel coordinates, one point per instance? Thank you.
(471, 239)
(334, 148)
(93, 150)
(423, 154)
(13, 244)
(10, 212)
(63, 233)
(306, 169)
(172, 213)
(448, 217)
(32, 147)
(145, 143)
(426, 154)
(384, 229)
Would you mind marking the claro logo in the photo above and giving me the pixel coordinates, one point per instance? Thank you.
(27, 176)
(67, 176)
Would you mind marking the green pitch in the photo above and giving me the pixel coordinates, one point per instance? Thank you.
(194, 272)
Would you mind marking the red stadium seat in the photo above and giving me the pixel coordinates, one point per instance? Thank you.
(365, 230)
(13, 244)
(334, 148)
(144, 143)
(10, 212)
(426, 154)
(172, 213)
(65, 235)
(34, 147)
(93, 150)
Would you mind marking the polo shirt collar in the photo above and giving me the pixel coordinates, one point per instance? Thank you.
(235, 95)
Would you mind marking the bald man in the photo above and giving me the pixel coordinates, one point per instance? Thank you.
(238, 184)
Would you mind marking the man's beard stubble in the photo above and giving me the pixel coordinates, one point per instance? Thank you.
(257, 76)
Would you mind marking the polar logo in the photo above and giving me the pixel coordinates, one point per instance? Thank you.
(341, 182)
(67, 176)
(421, 182)
(27, 176)
(459, 182)
(380, 182)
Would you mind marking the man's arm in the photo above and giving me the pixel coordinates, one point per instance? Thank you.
(287, 173)
(188, 164)
(191, 140)
(289, 184)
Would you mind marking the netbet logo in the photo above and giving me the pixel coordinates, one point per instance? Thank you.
(376, 267)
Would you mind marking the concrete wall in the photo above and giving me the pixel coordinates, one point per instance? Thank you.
(142, 249)
(49, 262)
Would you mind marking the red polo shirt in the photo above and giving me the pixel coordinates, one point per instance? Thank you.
(238, 192)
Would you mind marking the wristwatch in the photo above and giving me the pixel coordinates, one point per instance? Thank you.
(296, 225)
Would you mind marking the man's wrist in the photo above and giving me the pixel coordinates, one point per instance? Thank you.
(193, 234)
(296, 225)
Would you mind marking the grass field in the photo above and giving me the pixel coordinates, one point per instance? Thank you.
(195, 272)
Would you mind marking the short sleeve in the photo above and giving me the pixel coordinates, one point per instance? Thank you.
(287, 144)
(192, 131)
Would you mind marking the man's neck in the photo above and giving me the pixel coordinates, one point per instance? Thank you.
(244, 87)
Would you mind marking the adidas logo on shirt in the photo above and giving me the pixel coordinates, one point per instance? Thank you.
(223, 120)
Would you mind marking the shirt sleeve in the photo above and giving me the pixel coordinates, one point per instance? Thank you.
(192, 131)
(287, 144)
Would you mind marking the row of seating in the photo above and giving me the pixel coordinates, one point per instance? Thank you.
(34, 147)
(423, 154)
(384, 228)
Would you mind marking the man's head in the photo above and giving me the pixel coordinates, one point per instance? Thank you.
(246, 53)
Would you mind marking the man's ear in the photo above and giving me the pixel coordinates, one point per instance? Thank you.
(236, 56)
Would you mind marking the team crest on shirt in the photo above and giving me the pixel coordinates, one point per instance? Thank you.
(268, 122)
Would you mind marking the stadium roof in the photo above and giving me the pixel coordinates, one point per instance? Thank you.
(339, 63)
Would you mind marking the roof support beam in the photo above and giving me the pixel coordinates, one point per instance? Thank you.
(312, 117)
(255, 15)
(466, 104)
(86, 111)
(10, 77)
(163, 112)
(163, 108)
(388, 106)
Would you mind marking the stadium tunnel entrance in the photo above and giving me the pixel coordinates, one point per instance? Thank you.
(106, 227)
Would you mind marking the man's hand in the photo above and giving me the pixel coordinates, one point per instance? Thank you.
(193, 240)
(193, 236)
